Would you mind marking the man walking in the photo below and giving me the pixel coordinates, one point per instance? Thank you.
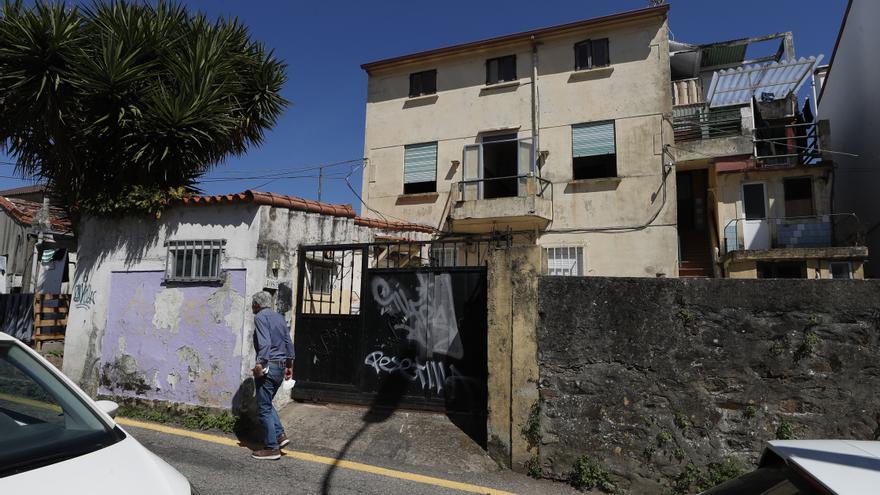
(274, 364)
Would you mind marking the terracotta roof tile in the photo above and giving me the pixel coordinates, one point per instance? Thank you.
(24, 212)
(277, 200)
(306, 205)
(36, 188)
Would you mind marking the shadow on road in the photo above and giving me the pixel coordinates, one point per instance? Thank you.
(386, 401)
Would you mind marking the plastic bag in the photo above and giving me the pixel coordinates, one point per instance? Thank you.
(287, 385)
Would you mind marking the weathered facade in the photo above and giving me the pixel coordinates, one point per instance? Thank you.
(849, 99)
(37, 244)
(559, 132)
(754, 168)
(161, 308)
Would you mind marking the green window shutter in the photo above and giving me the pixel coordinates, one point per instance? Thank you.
(420, 163)
(592, 139)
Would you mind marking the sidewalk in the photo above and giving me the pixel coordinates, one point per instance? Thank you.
(418, 442)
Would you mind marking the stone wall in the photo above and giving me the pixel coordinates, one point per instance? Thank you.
(670, 385)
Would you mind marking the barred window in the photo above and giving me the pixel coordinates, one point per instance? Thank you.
(194, 261)
(565, 261)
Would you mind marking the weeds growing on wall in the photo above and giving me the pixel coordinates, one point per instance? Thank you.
(785, 431)
(531, 431)
(696, 479)
(199, 418)
(587, 474)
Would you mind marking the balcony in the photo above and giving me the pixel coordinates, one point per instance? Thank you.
(834, 236)
(787, 145)
(518, 202)
(702, 132)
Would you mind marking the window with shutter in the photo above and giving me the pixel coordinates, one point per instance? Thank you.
(593, 151)
(420, 168)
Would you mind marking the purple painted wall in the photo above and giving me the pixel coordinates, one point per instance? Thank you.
(179, 344)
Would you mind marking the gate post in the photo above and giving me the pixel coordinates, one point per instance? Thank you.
(513, 352)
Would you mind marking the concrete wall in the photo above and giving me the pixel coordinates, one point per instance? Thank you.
(650, 376)
(513, 372)
(137, 336)
(851, 102)
(634, 92)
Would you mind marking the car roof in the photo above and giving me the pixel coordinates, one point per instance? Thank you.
(4, 336)
(845, 467)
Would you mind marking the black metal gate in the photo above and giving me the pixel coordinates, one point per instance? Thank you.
(395, 325)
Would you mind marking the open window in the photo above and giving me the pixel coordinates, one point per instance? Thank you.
(422, 83)
(501, 69)
(591, 54)
(799, 197)
(593, 150)
(420, 168)
(500, 166)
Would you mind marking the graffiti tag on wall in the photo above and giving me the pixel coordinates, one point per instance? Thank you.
(427, 317)
(433, 376)
(83, 294)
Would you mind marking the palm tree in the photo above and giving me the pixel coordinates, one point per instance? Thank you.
(122, 105)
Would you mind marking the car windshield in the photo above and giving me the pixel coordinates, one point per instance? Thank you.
(41, 420)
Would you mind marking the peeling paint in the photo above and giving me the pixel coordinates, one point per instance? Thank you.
(167, 310)
(189, 357)
(172, 380)
(181, 339)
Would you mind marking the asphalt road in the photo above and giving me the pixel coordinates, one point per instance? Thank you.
(226, 469)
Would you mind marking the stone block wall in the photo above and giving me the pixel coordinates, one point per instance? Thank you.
(669, 385)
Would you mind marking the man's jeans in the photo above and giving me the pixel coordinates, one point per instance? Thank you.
(267, 386)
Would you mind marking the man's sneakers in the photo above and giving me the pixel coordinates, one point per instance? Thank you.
(267, 454)
(282, 441)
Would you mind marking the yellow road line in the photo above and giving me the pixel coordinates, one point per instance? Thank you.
(305, 456)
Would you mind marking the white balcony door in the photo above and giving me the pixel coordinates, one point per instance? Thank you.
(472, 172)
(756, 227)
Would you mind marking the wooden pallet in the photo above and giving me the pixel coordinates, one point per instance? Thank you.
(50, 318)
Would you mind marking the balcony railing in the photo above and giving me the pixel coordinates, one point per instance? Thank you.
(504, 187)
(695, 122)
(833, 230)
(793, 144)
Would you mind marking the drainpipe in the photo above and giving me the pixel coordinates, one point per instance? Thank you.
(535, 122)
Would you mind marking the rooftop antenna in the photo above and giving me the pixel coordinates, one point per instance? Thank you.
(656, 3)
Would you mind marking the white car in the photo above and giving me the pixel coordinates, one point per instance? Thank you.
(55, 439)
(811, 467)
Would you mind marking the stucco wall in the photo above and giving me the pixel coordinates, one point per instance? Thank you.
(179, 344)
(200, 335)
(655, 379)
(851, 102)
(634, 91)
(110, 247)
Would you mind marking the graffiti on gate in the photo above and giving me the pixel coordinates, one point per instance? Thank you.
(433, 376)
(83, 294)
(427, 315)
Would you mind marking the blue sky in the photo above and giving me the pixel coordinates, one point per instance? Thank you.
(324, 43)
